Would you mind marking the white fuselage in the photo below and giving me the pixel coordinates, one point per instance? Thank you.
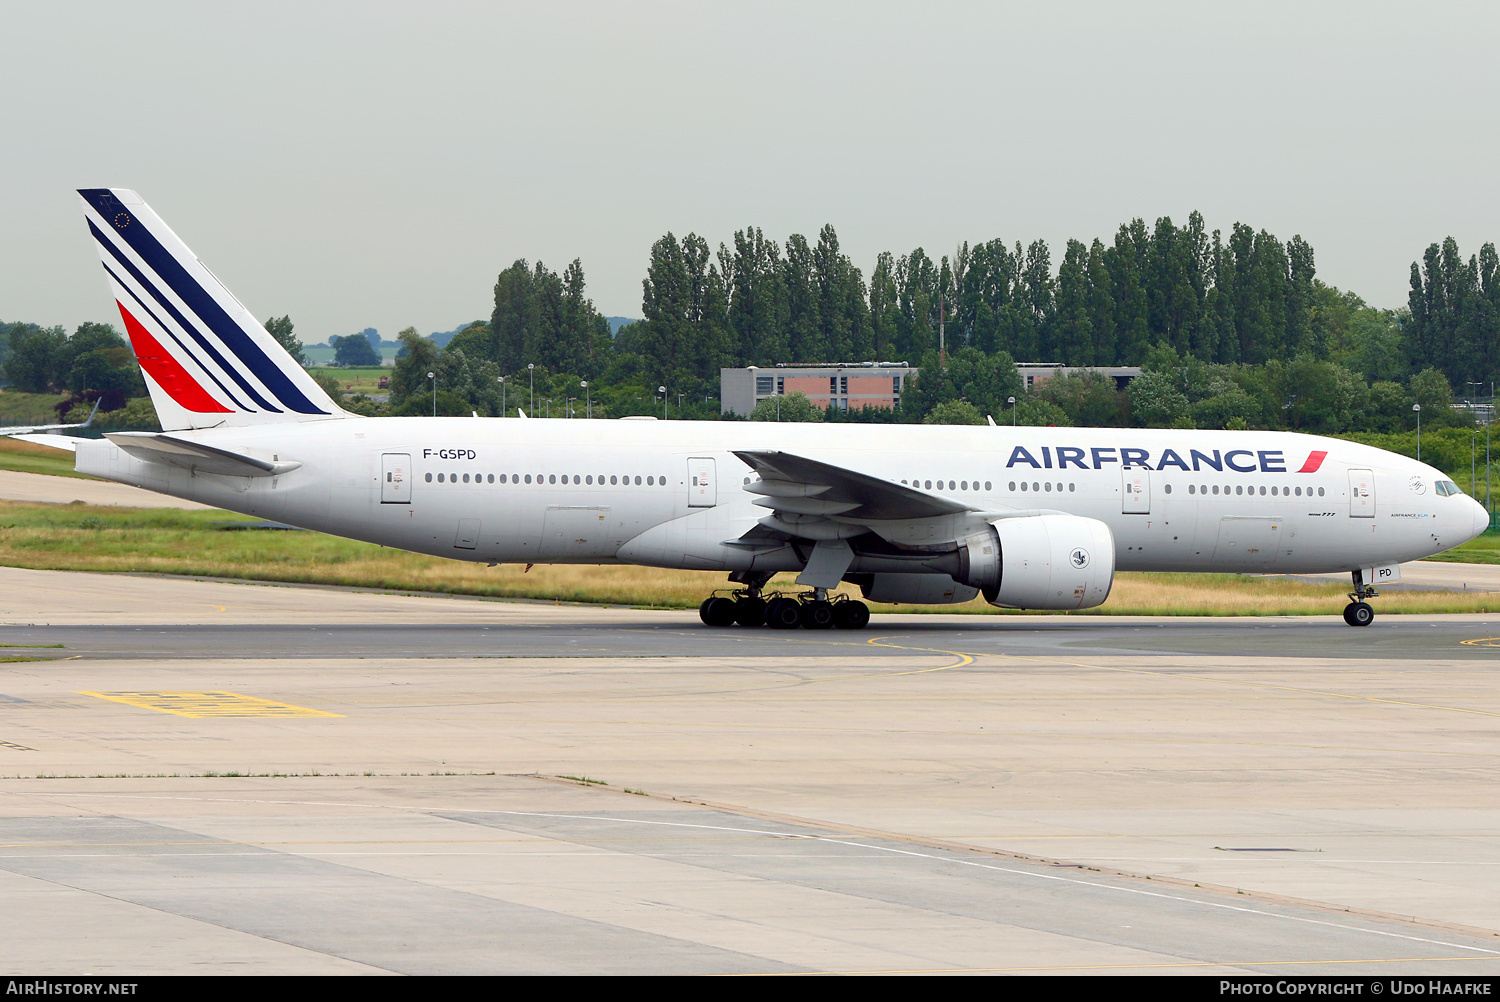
(576, 491)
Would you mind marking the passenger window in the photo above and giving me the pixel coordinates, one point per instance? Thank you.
(1216, 488)
(987, 485)
(552, 478)
(650, 481)
(1192, 489)
(638, 481)
(1036, 486)
(429, 478)
(950, 486)
(1013, 486)
(1320, 492)
(964, 485)
(929, 485)
(1023, 485)
(502, 478)
(611, 479)
(466, 478)
(1070, 488)
(440, 478)
(1168, 488)
(528, 478)
(1049, 488)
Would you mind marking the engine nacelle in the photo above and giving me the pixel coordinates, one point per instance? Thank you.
(1041, 562)
(914, 589)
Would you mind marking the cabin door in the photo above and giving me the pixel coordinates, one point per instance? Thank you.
(1135, 494)
(1361, 494)
(703, 483)
(395, 478)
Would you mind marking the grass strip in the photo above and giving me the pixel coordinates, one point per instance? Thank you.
(171, 541)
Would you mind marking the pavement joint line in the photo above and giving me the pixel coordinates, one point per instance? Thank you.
(1218, 681)
(1047, 735)
(1098, 885)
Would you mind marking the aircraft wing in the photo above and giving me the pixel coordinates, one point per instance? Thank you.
(792, 485)
(28, 429)
(154, 447)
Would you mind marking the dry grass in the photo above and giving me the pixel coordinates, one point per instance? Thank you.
(86, 538)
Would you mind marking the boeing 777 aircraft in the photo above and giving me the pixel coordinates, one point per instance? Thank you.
(1032, 518)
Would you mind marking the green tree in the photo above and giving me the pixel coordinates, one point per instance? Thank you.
(790, 407)
(409, 377)
(280, 328)
(954, 412)
(38, 359)
(1155, 399)
(354, 349)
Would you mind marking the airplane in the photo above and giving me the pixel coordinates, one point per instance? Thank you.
(1031, 518)
(20, 430)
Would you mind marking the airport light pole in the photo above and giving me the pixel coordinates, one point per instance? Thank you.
(570, 405)
(588, 400)
(663, 391)
(1417, 408)
(1012, 402)
(531, 375)
(501, 380)
(432, 378)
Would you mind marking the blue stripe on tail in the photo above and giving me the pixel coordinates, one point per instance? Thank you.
(200, 302)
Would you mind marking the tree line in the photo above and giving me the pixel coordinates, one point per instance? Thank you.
(1234, 329)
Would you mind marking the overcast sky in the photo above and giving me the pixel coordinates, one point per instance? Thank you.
(376, 164)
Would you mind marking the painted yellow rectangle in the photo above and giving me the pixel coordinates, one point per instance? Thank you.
(209, 704)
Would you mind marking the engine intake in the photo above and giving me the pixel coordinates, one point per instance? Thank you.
(1040, 562)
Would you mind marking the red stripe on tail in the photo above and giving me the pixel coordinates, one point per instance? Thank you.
(1314, 460)
(167, 371)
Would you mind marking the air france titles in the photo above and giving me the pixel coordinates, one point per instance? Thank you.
(1235, 460)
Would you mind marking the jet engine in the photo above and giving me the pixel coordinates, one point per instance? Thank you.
(1040, 562)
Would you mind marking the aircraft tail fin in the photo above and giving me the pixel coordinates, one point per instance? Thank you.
(206, 360)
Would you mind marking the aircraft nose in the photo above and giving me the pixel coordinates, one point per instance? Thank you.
(1481, 518)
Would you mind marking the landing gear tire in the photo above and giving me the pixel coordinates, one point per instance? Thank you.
(1359, 614)
(817, 614)
(783, 614)
(717, 612)
(750, 612)
(851, 615)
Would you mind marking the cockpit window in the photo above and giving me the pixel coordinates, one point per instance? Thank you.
(1447, 488)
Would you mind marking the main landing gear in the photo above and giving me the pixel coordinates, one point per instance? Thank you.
(810, 610)
(1359, 612)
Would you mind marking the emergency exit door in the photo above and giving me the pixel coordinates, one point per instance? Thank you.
(395, 478)
(703, 483)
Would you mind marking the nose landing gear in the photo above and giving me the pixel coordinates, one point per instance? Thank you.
(814, 610)
(1359, 612)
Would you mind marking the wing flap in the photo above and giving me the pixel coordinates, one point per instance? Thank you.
(790, 479)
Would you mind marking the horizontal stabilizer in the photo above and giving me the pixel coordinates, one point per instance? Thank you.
(157, 448)
(51, 441)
